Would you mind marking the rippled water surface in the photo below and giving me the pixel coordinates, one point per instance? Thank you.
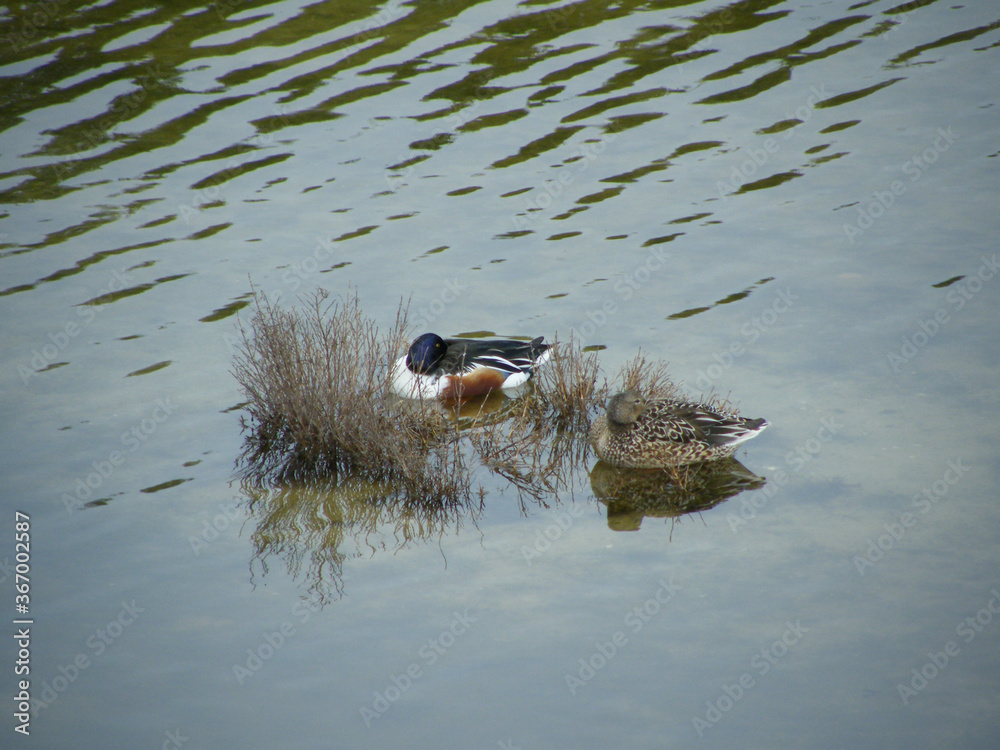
(795, 203)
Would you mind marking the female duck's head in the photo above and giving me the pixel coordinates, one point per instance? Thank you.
(624, 408)
(425, 353)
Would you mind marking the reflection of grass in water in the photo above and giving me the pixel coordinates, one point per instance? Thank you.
(316, 527)
(538, 449)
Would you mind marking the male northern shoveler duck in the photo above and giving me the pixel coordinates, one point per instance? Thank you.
(460, 368)
(653, 434)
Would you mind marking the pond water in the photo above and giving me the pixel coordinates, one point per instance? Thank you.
(795, 204)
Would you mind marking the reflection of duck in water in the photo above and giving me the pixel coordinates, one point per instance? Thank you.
(656, 433)
(459, 368)
(634, 494)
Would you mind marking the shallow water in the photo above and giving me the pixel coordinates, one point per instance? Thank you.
(793, 204)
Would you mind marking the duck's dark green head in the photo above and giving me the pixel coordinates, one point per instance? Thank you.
(425, 353)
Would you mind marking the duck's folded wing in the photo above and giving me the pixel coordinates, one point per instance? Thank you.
(504, 355)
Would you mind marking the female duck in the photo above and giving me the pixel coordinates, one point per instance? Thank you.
(460, 368)
(654, 434)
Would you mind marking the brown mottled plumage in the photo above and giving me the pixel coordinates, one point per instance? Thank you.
(640, 434)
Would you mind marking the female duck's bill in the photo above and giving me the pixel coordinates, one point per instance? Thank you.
(656, 433)
(461, 368)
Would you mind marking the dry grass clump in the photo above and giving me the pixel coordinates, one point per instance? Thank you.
(316, 383)
(568, 387)
(315, 528)
(651, 378)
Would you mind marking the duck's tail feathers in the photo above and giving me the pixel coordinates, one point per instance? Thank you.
(732, 432)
